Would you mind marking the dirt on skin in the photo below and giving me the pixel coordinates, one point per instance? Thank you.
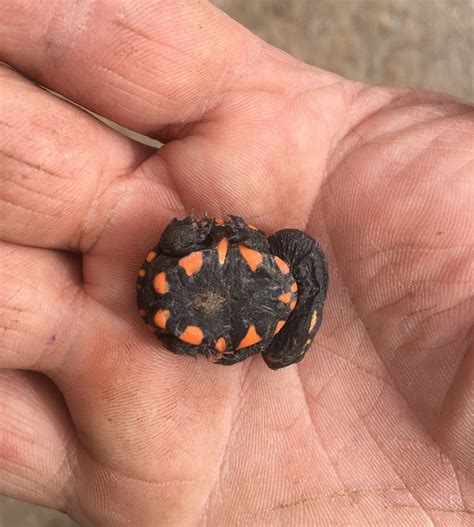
(426, 44)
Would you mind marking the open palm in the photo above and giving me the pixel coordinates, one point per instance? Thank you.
(375, 426)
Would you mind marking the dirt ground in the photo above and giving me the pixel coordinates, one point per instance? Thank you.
(418, 43)
(421, 43)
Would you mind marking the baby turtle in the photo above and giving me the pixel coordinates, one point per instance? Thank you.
(219, 287)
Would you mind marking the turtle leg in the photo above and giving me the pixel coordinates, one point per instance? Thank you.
(309, 268)
(184, 236)
(238, 231)
(174, 345)
(171, 343)
(227, 359)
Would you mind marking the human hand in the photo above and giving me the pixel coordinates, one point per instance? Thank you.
(373, 427)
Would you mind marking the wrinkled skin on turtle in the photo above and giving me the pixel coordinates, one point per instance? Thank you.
(221, 288)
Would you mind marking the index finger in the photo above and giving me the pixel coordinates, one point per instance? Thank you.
(143, 64)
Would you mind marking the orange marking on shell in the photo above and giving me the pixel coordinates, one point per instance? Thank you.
(252, 227)
(282, 265)
(192, 335)
(141, 273)
(294, 287)
(279, 325)
(150, 256)
(160, 284)
(221, 344)
(191, 263)
(161, 318)
(253, 258)
(293, 305)
(142, 313)
(314, 318)
(219, 220)
(222, 250)
(252, 337)
(285, 298)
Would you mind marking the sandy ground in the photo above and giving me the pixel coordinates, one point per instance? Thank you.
(421, 43)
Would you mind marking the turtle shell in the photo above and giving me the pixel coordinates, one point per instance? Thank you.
(227, 297)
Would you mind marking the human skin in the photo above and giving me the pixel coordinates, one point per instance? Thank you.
(375, 426)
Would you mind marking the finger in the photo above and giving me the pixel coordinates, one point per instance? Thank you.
(60, 168)
(143, 64)
(36, 440)
(40, 302)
